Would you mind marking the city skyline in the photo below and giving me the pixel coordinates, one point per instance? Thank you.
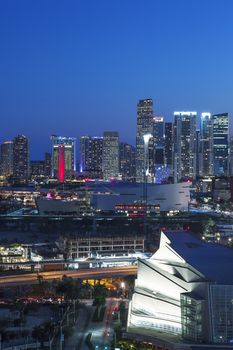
(164, 151)
(38, 154)
(70, 74)
(116, 174)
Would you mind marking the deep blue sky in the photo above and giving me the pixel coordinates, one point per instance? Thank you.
(77, 67)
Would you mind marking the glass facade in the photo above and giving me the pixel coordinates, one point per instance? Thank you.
(185, 145)
(168, 143)
(158, 131)
(221, 303)
(20, 160)
(205, 144)
(144, 127)
(220, 143)
(63, 157)
(110, 155)
(127, 162)
(6, 156)
(48, 164)
(192, 317)
(91, 149)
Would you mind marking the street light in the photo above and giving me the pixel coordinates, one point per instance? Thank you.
(123, 285)
(146, 139)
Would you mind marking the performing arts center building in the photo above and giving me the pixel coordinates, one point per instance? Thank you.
(184, 294)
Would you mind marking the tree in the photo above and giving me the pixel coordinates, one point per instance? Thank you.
(99, 295)
(68, 288)
(129, 283)
(209, 226)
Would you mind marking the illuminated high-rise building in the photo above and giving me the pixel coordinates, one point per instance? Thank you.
(37, 168)
(144, 127)
(20, 160)
(158, 131)
(6, 161)
(184, 145)
(198, 152)
(206, 145)
(91, 160)
(220, 134)
(127, 162)
(168, 143)
(231, 157)
(48, 164)
(158, 139)
(63, 157)
(110, 155)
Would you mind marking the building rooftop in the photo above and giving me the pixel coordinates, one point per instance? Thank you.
(214, 261)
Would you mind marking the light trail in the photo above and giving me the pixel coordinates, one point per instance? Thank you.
(83, 274)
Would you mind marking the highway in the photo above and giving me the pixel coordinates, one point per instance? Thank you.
(11, 280)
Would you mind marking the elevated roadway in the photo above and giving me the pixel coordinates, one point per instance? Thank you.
(31, 278)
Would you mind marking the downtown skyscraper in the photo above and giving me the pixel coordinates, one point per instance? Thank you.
(158, 139)
(127, 162)
(110, 155)
(231, 156)
(63, 157)
(158, 130)
(144, 127)
(206, 145)
(91, 156)
(168, 144)
(6, 156)
(47, 164)
(220, 136)
(20, 160)
(184, 145)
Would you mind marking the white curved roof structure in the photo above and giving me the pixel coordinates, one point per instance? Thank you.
(185, 289)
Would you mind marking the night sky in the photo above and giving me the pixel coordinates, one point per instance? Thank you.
(77, 67)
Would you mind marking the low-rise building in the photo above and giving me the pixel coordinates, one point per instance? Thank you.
(77, 247)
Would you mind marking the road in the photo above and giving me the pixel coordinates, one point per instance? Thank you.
(77, 340)
(120, 271)
(108, 332)
(102, 332)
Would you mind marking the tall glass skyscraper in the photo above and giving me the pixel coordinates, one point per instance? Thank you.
(184, 145)
(220, 137)
(144, 127)
(231, 157)
(110, 155)
(63, 157)
(158, 131)
(20, 160)
(6, 158)
(48, 164)
(206, 145)
(158, 138)
(91, 157)
(168, 143)
(127, 162)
